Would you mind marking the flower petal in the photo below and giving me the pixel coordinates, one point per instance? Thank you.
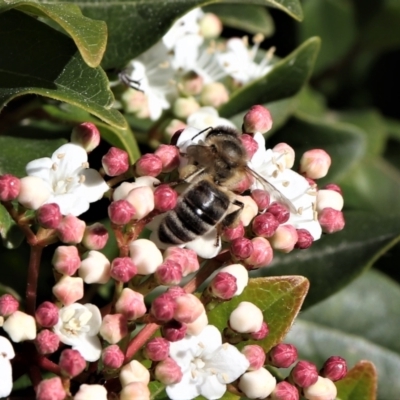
(95, 321)
(94, 185)
(89, 347)
(209, 339)
(40, 168)
(6, 382)
(212, 388)
(6, 349)
(186, 389)
(70, 158)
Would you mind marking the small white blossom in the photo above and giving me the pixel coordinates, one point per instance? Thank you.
(71, 184)
(6, 354)
(207, 365)
(78, 326)
(20, 327)
(91, 392)
(202, 119)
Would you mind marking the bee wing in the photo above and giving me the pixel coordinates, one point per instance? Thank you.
(272, 190)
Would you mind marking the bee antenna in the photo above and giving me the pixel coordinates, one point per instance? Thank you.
(132, 83)
(204, 130)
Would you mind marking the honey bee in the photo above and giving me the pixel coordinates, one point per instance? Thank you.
(213, 170)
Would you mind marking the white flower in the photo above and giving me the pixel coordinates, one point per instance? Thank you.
(207, 365)
(71, 184)
(78, 326)
(6, 354)
(202, 119)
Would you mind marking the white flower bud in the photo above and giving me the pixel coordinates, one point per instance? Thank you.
(95, 268)
(134, 372)
(323, 389)
(20, 327)
(329, 198)
(34, 192)
(246, 318)
(257, 384)
(145, 255)
(249, 211)
(142, 199)
(122, 191)
(135, 391)
(196, 327)
(287, 153)
(68, 289)
(240, 273)
(91, 392)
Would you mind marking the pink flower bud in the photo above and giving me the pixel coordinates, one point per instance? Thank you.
(246, 318)
(285, 391)
(168, 372)
(49, 216)
(135, 391)
(284, 238)
(165, 198)
(95, 236)
(223, 286)
(169, 156)
(188, 308)
(71, 363)
(148, 165)
(66, 260)
(169, 273)
(142, 200)
(121, 212)
(329, 198)
(123, 269)
(145, 255)
(305, 239)
(250, 145)
(304, 374)
(95, 268)
(157, 349)
(71, 229)
(50, 389)
(214, 94)
(315, 163)
(279, 211)
(131, 304)
(262, 254)
(257, 119)
(183, 107)
(114, 327)
(47, 342)
(68, 290)
(190, 84)
(86, 135)
(112, 357)
(287, 153)
(255, 355)
(20, 327)
(282, 355)
(241, 275)
(262, 198)
(115, 162)
(233, 232)
(243, 184)
(261, 333)
(163, 307)
(33, 192)
(334, 187)
(187, 258)
(175, 292)
(173, 331)
(331, 220)
(241, 248)
(210, 26)
(265, 225)
(334, 368)
(8, 305)
(9, 187)
(322, 389)
(47, 314)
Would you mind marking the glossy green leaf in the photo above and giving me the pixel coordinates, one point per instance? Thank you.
(11, 236)
(284, 80)
(393, 128)
(135, 25)
(90, 36)
(249, 18)
(311, 102)
(40, 60)
(335, 260)
(280, 303)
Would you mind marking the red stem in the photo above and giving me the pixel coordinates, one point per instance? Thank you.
(33, 275)
(140, 339)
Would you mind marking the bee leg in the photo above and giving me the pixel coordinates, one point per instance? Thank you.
(231, 218)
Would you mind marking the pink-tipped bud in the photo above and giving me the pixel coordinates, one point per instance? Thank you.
(279, 211)
(287, 154)
(112, 357)
(188, 308)
(47, 314)
(329, 198)
(223, 286)
(121, 212)
(210, 26)
(95, 268)
(142, 200)
(331, 220)
(165, 198)
(241, 248)
(163, 307)
(135, 390)
(47, 342)
(255, 355)
(243, 184)
(131, 304)
(148, 165)
(334, 368)
(305, 239)
(95, 236)
(304, 374)
(284, 238)
(71, 363)
(169, 156)
(169, 273)
(214, 94)
(68, 290)
(240, 273)
(285, 391)
(246, 318)
(86, 135)
(262, 198)
(49, 216)
(9, 187)
(315, 163)
(334, 187)
(261, 333)
(157, 349)
(33, 193)
(168, 372)
(264, 225)
(257, 119)
(50, 389)
(66, 260)
(250, 145)
(8, 305)
(115, 162)
(173, 331)
(175, 292)
(123, 269)
(282, 355)
(187, 258)
(71, 229)
(190, 84)
(233, 232)
(322, 389)
(262, 254)
(183, 107)
(139, 251)
(113, 328)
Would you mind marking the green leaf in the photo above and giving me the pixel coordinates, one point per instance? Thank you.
(40, 60)
(285, 79)
(90, 36)
(335, 260)
(135, 25)
(10, 234)
(280, 303)
(311, 102)
(249, 18)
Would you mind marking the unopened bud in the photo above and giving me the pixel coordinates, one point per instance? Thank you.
(322, 389)
(249, 211)
(331, 220)
(8, 305)
(241, 275)
(265, 225)
(214, 94)
(112, 357)
(282, 355)
(250, 145)
(20, 327)
(157, 349)
(33, 193)
(86, 135)
(315, 163)
(190, 84)
(115, 162)
(197, 326)
(113, 328)
(91, 392)
(261, 333)
(262, 198)
(131, 304)
(148, 165)
(135, 391)
(47, 342)
(287, 153)
(174, 331)
(95, 268)
(121, 212)
(334, 368)
(284, 238)
(9, 187)
(241, 248)
(223, 286)
(257, 384)
(47, 314)
(304, 239)
(142, 200)
(262, 254)
(187, 258)
(246, 318)
(255, 356)
(169, 156)
(185, 106)
(285, 391)
(123, 269)
(49, 215)
(279, 211)
(71, 363)
(50, 389)
(66, 260)
(95, 236)
(233, 232)
(304, 374)
(134, 372)
(334, 187)
(145, 255)
(71, 229)
(169, 273)
(176, 291)
(257, 119)
(329, 198)
(165, 198)
(210, 26)
(68, 289)
(188, 308)
(168, 372)
(163, 307)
